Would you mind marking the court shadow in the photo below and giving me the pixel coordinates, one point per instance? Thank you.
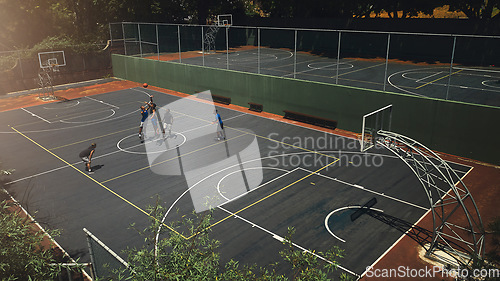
(419, 234)
(96, 167)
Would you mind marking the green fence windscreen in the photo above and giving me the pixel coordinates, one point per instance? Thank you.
(451, 127)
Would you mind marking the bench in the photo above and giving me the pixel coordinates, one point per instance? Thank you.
(221, 99)
(256, 107)
(310, 119)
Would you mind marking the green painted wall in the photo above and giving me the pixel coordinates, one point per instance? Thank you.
(457, 128)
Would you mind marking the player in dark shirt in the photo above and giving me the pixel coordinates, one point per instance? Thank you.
(155, 117)
(144, 114)
(86, 156)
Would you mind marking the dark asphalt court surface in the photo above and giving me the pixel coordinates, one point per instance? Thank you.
(466, 84)
(266, 177)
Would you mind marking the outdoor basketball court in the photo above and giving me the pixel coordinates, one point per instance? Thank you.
(472, 85)
(265, 177)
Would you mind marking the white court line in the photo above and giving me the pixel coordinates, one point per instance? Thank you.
(100, 101)
(393, 245)
(258, 187)
(281, 239)
(404, 234)
(52, 240)
(100, 156)
(367, 190)
(341, 209)
(266, 118)
(427, 77)
(62, 167)
(34, 115)
(320, 68)
(95, 120)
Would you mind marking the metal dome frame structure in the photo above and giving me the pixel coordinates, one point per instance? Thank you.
(451, 243)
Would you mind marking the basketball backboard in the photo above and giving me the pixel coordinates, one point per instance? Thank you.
(225, 20)
(373, 122)
(52, 60)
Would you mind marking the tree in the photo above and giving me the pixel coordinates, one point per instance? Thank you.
(22, 254)
(476, 9)
(176, 258)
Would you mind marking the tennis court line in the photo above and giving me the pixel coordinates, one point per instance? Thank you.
(281, 239)
(94, 180)
(428, 83)
(270, 195)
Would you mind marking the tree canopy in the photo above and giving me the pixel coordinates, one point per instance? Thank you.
(26, 22)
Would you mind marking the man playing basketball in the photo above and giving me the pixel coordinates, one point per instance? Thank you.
(220, 126)
(169, 120)
(144, 114)
(86, 156)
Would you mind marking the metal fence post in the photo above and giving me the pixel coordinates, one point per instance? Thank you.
(124, 44)
(20, 65)
(157, 42)
(451, 65)
(139, 33)
(91, 253)
(295, 55)
(110, 35)
(202, 45)
(258, 50)
(227, 47)
(179, 41)
(338, 59)
(387, 59)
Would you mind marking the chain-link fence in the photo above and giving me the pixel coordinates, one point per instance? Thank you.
(444, 66)
(19, 70)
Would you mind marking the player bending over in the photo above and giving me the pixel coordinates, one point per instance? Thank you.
(86, 157)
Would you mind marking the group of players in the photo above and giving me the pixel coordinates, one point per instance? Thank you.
(155, 119)
(149, 110)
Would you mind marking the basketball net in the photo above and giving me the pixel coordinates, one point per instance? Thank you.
(54, 67)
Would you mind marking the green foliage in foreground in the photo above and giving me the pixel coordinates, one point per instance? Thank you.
(196, 258)
(22, 256)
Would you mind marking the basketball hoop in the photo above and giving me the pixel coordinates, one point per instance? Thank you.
(54, 67)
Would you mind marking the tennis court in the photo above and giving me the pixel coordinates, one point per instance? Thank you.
(266, 176)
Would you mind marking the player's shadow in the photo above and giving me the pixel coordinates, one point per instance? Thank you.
(96, 167)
